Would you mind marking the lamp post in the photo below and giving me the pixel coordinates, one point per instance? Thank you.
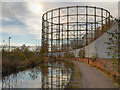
(9, 43)
(9, 56)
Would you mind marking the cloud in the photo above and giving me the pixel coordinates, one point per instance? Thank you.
(22, 14)
(60, 1)
(35, 7)
(6, 19)
(10, 9)
(25, 18)
(14, 30)
(21, 31)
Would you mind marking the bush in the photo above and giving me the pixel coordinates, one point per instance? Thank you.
(9, 66)
(69, 55)
(93, 58)
(81, 53)
(19, 58)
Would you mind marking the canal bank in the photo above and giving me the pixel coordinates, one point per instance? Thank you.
(75, 80)
(48, 75)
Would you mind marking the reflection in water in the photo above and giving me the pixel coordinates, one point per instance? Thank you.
(48, 75)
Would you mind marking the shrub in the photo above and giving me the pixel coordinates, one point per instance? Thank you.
(19, 58)
(69, 55)
(93, 58)
(81, 53)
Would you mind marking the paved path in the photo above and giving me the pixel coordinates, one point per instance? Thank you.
(92, 78)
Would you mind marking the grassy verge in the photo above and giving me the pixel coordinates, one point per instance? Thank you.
(75, 81)
(79, 74)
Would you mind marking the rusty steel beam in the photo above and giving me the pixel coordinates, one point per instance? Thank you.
(57, 28)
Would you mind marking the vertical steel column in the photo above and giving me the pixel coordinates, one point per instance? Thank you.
(80, 34)
(59, 77)
(47, 31)
(102, 19)
(109, 19)
(62, 77)
(51, 30)
(119, 40)
(74, 35)
(59, 29)
(77, 26)
(56, 36)
(106, 20)
(47, 80)
(43, 38)
(86, 25)
(42, 30)
(94, 24)
(62, 36)
(56, 76)
(51, 76)
(43, 80)
(67, 27)
(91, 32)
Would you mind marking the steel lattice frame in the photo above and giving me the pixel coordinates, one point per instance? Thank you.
(73, 27)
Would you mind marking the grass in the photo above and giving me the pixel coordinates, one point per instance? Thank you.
(75, 77)
(79, 74)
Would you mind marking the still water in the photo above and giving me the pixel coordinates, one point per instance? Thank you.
(49, 75)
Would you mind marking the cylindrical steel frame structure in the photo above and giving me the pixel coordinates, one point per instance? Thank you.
(73, 27)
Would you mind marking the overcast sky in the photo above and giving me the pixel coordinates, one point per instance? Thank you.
(22, 20)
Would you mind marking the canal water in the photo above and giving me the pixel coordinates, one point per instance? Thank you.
(48, 75)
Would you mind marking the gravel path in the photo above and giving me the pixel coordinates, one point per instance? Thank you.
(92, 78)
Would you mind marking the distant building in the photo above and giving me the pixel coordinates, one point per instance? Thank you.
(38, 48)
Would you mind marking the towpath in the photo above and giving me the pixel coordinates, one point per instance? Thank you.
(93, 78)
